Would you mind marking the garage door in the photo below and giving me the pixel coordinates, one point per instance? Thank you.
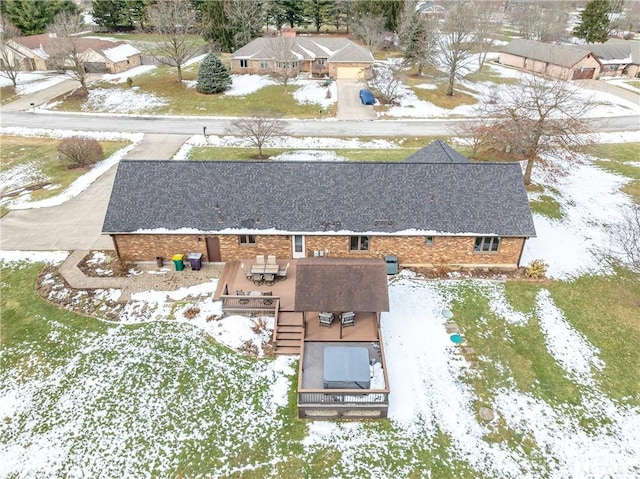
(350, 73)
(583, 74)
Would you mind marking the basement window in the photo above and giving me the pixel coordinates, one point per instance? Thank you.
(486, 244)
(359, 243)
(247, 239)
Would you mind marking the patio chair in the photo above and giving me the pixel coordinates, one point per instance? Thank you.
(267, 301)
(259, 259)
(326, 319)
(240, 292)
(247, 273)
(282, 273)
(257, 279)
(271, 259)
(269, 279)
(348, 319)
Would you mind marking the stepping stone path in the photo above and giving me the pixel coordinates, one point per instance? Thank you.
(452, 328)
(486, 413)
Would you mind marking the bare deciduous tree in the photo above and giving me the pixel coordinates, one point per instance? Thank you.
(176, 23)
(258, 129)
(386, 82)
(9, 64)
(543, 21)
(488, 23)
(283, 66)
(247, 18)
(537, 116)
(66, 47)
(454, 42)
(626, 237)
(370, 30)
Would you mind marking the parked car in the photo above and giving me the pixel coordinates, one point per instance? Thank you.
(366, 97)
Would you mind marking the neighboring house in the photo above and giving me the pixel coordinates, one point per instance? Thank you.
(555, 61)
(100, 55)
(320, 57)
(432, 209)
(618, 57)
(430, 9)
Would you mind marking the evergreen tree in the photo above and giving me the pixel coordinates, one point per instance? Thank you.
(33, 17)
(213, 76)
(118, 14)
(594, 22)
(317, 12)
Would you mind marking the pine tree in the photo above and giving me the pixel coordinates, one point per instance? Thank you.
(213, 76)
(594, 22)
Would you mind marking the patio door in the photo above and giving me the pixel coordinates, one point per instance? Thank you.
(298, 246)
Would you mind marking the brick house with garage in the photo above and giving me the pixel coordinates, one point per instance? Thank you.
(319, 57)
(555, 61)
(435, 208)
(100, 55)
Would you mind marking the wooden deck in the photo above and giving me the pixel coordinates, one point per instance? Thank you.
(233, 279)
(364, 329)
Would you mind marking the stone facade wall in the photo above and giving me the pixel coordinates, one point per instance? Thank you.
(411, 250)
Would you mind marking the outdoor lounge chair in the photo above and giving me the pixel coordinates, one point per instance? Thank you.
(326, 319)
(247, 273)
(348, 319)
(271, 259)
(282, 273)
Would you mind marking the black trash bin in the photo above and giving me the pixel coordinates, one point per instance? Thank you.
(196, 261)
(391, 261)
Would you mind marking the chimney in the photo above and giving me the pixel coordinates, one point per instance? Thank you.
(288, 32)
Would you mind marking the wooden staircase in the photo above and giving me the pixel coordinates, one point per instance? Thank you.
(288, 333)
(228, 272)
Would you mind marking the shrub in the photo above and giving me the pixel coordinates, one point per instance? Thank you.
(213, 76)
(191, 312)
(536, 269)
(76, 152)
(130, 81)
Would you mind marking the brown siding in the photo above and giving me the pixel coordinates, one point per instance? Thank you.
(411, 250)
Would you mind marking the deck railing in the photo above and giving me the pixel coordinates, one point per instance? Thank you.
(343, 397)
(249, 304)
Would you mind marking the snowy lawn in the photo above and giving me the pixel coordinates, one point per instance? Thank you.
(30, 169)
(80, 397)
(158, 91)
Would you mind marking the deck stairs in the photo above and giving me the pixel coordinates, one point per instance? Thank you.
(288, 333)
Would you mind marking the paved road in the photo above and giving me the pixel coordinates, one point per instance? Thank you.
(77, 223)
(217, 125)
(349, 105)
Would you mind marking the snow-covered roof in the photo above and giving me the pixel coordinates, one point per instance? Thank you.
(307, 48)
(121, 52)
(346, 198)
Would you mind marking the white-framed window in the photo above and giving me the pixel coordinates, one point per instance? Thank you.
(486, 244)
(428, 240)
(247, 239)
(359, 243)
(264, 64)
(244, 63)
(320, 62)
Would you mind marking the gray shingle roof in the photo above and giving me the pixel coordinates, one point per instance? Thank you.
(339, 284)
(615, 49)
(310, 48)
(555, 54)
(307, 197)
(436, 152)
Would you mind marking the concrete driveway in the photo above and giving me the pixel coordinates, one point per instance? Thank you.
(349, 105)
(607, 87)
(77, 223)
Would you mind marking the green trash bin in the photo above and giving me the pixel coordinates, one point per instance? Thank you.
(178, 261)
